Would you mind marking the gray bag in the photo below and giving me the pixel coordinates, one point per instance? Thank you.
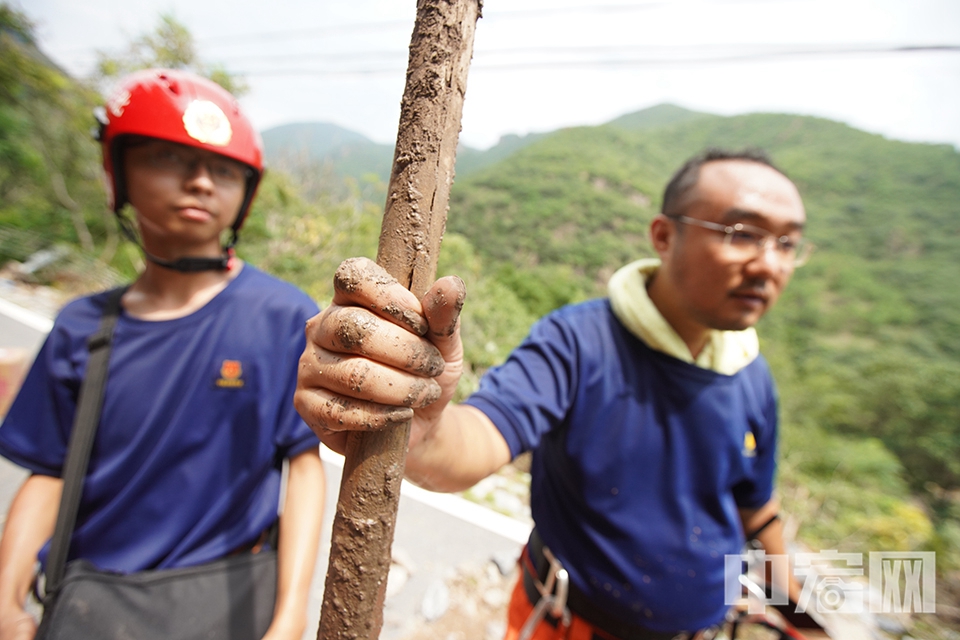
(229, 599)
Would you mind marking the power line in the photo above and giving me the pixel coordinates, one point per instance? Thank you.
(495, 16)
(331, 57)
(704, 51)
(360, 27)
(288, 34)
(698, 58)
(530, 58)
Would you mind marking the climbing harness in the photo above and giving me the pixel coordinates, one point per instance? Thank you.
(553, 597)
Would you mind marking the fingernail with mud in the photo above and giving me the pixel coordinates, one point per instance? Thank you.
(407, 318)
(429, 363)
(397, 415)
(422, 394)
(348, 276)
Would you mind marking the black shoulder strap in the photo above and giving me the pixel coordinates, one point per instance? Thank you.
(85, 422)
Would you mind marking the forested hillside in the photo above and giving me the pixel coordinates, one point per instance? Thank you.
(346, 154)
(862, 343)
(49, 174)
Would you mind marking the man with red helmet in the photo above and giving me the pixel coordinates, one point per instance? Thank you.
(197, 419)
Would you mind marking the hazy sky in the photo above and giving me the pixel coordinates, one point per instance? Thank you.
(544, 64)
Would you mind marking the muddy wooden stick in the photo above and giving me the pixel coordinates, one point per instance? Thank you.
(413, 223)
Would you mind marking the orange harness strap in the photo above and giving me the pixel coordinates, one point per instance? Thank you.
(520, 610)
(571, 627)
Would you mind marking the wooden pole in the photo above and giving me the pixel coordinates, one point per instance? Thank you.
(413, 223)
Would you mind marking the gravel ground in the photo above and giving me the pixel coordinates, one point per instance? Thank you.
(473, 604)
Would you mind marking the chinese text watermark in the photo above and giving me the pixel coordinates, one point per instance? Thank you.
(834, 582)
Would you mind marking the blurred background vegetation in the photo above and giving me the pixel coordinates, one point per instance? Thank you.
(862, 344)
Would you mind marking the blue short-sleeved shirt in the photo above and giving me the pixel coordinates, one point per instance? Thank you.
(197, 418)
(640, 464)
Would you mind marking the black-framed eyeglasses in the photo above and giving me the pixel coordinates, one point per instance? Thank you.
(184, 161)
(746, 242)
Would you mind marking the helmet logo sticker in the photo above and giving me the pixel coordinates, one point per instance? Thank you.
(205, 122)
(118, 102)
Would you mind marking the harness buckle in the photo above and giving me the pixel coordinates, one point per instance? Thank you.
(553, 597)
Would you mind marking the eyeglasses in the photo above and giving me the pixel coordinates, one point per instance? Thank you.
(746, 242)
(184, 162)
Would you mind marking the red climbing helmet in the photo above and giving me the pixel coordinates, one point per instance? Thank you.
(180, 107)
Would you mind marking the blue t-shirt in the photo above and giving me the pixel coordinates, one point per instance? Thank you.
(640, 462)
(198, 416)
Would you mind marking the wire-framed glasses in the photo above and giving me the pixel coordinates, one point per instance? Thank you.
(746, 242)
(184, 161)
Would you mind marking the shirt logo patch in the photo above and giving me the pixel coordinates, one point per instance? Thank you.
(231, 374)
(749, 445)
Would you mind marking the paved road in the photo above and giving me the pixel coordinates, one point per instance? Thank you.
(435, 534)
(21, 328)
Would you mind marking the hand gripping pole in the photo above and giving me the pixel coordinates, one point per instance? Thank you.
(413, 223)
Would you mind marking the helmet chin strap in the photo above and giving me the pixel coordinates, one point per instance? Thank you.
(224, 262)
(193, 265)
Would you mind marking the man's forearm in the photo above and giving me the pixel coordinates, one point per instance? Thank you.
(464, 448)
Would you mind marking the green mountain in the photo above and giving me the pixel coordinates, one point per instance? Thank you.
(349, 153)
(656, 116)
(887, 210)
(470, 160)
(316, 138)
(346, 153)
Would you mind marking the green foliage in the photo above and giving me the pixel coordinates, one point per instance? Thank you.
(303, 240)
(49, 182)
(847, 493)
(170, 46)
(542, 288)
(562, 200)
(494, 320)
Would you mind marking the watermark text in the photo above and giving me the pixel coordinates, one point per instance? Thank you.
(835, 582)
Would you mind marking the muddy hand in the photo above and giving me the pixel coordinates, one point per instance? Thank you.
(441, 306)
(370, 359)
